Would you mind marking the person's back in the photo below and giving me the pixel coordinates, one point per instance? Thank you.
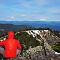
(11, 45)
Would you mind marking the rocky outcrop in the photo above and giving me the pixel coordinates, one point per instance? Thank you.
(44, 51)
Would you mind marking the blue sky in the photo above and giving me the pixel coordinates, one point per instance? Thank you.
(30, 10)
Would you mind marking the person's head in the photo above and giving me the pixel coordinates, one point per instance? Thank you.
(10, 34)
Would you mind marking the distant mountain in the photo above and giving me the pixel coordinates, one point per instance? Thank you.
(55, 25)
(11, 27)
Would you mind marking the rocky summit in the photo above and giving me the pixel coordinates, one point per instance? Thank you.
(37, 44)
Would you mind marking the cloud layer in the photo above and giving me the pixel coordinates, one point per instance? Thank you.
(22, 10)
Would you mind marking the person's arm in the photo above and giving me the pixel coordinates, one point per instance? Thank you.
(19, 48)
(1, 43)
(19, 45)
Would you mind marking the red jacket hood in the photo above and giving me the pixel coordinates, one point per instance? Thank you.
(10, 35)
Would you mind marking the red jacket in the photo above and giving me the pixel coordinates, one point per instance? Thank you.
(11, 45)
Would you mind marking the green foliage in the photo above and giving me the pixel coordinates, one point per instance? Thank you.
(56, 33)
(27, 40)
(56, 47)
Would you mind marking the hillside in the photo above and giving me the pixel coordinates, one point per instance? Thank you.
(12, 27)
(37, 44)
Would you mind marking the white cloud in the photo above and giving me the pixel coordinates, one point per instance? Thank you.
(54, 10)
(32, 17)
(23, 15)
(41, 2)
(12, 18)
(43, 19)
(9, 18)
(26, 5)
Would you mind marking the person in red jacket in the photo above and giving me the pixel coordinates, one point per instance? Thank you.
(10, 46)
